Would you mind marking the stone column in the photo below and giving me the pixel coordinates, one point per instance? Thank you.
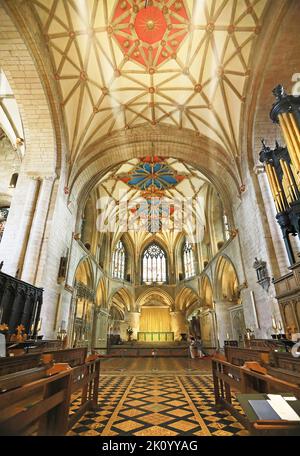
(18, 224)
(101, 326)
(223, 321)
(123, 327)
(71, 319)
(37, 230)
(134, 322)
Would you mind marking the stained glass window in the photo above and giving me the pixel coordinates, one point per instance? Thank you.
(154, 264)
(188, 260)
(118, 261)
(3, 218)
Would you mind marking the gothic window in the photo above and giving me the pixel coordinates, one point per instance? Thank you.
(188, 260)
(118, 261)
(154, 264)
(3, 217)
(226, 227)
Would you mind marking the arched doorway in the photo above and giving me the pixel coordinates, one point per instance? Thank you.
(228, 306)
(83, 309)
(119, 317)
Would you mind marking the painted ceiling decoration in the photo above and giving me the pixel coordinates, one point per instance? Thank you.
(151, 35)
(181, 63)
(153, 174)
(156, 208)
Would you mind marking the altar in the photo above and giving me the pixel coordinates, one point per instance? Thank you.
(152, 336)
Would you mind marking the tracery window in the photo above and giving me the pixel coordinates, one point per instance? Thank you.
(188, 260)
(3, 217)
(226, 227)
(118, 261)
(154, 263)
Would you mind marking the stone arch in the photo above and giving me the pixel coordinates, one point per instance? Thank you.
(83, 304)
(186, 298)
(228, 305)
(206, 291)
(148, 294)
(226, 279)
(122, 299)
(101, 293)
(43, 136)
(203, 153)
(84, 273)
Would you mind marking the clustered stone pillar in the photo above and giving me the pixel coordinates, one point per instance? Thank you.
(178, 324)
(18, 224)
(37, 230)
(101, 326)
(223, 321)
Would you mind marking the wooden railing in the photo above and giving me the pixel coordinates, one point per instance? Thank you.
(85, 382)
(155, 336)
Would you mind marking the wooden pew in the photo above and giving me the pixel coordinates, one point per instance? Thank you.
(72, 356)
(284, 366)
(238, 356)
(40, 405)
(37, 408)
(229, 379)
(85, 382)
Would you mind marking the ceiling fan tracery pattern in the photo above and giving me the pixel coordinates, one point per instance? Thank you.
(120, 65)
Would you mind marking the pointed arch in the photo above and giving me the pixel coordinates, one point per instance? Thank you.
(155, 293)
(226, 279)
(101, 293)
(122, 299)
(206, 291)
(186, 298)
(84, 273)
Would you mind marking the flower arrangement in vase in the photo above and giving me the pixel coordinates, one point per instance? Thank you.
(129, 333)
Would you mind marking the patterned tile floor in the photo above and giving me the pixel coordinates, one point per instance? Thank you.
(157, 404)
(163, 365)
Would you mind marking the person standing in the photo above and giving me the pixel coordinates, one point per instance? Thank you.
(199, 346)
(192, 346)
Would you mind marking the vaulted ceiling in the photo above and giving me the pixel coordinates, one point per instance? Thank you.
(153, 198)
(122, 63)
(10, 119)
